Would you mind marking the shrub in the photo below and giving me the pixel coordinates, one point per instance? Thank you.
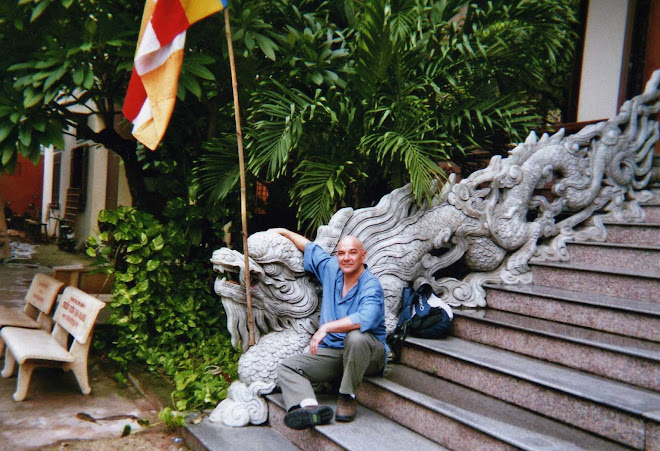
(163, 312)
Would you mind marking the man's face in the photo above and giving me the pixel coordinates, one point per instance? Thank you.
(351, 255)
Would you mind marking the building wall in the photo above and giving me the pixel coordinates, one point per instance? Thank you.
(604, 59)
(22, 189)
(96, 185)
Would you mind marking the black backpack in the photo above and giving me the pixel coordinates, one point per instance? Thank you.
(418, 319)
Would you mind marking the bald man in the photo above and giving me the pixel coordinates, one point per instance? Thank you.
(350, 342)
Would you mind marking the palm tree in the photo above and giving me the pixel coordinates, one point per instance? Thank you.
(363, 97)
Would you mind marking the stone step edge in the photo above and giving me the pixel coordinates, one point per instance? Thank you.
(599, 269)
(604, 345)
(574, 382)
(651, 225)
(338, 433)
(511, 434)
(204, 435)
(634, 247)
(579, 297)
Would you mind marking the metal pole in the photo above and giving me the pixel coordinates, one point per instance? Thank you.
(239, 140)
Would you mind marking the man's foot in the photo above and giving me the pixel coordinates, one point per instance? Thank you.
(346, 408)
(307, 417)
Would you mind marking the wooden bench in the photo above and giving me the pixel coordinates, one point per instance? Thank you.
(39, 302)
(31, 348)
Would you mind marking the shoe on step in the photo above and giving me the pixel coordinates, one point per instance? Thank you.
(346, 408)
(307, 417)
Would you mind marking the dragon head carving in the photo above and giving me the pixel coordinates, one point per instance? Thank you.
(282, 295)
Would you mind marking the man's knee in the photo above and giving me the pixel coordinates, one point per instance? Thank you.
(286, 366)
(355, 338)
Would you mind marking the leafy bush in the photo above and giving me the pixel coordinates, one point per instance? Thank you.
(163, 312)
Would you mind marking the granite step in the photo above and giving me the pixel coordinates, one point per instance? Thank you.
(625, 359)
(646, 258)
(617, 411)
(637, 285)
(622, 316)
(369, 431)
(652, 213)
(207, 436)
(642, 234)
(461, 418)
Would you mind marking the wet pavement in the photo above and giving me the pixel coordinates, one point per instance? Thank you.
(55, 414)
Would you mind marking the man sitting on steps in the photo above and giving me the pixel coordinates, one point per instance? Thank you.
(350, 342)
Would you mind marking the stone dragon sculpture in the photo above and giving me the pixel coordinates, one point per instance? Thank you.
(519, 209)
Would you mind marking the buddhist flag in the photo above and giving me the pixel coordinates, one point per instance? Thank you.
(152, 89)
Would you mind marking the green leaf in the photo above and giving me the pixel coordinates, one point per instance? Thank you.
(79, 76)
(266, 45)
(54, 135)
(201, 71)
(7, 154)
(40, 8)
(21, 66)
(25, 135)
(89, 79)
(5, 130)
(55, 76)
(32, 97)
(152, 265)
(157, 243)
(317, 78)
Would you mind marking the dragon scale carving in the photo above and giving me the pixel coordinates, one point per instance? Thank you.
(518, 209)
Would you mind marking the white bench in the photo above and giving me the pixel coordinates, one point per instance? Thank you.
(31, 348)
(39, 302)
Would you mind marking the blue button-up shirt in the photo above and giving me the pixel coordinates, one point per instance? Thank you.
(364, 304)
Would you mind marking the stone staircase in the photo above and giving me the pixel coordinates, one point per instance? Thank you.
(569, 362)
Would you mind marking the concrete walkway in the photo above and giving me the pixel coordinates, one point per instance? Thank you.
(55, 410)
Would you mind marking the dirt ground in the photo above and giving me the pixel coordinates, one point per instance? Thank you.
(154, 438)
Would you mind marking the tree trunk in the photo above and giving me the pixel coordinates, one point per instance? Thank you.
(143, 199)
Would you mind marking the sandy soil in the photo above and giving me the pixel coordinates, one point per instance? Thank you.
(154, 438)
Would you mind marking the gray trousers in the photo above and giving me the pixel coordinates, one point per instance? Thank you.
(363, 355)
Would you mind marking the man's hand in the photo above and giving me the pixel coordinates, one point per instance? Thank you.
(340, 325)
(316, 340)
(298, 240)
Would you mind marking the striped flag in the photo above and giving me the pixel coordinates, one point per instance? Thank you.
(152, 89)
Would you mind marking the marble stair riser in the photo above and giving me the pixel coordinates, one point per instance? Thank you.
(615, 257)
(436, 427)
(634, 234)
(652, 213)
(614, 365)
(631, 324)
(308, 439)
(602, 420)
(608, 284)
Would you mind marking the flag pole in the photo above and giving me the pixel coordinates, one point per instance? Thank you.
(241, 161)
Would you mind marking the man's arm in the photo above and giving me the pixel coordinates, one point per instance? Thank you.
(340, 325)
(298, 240)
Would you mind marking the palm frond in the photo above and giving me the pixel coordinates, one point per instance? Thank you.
(217, 170)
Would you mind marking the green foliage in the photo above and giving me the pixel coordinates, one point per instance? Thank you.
(172, 418)
(392, 86)
(162, 311)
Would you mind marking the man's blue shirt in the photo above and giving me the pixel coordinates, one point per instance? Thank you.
(364, 304)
